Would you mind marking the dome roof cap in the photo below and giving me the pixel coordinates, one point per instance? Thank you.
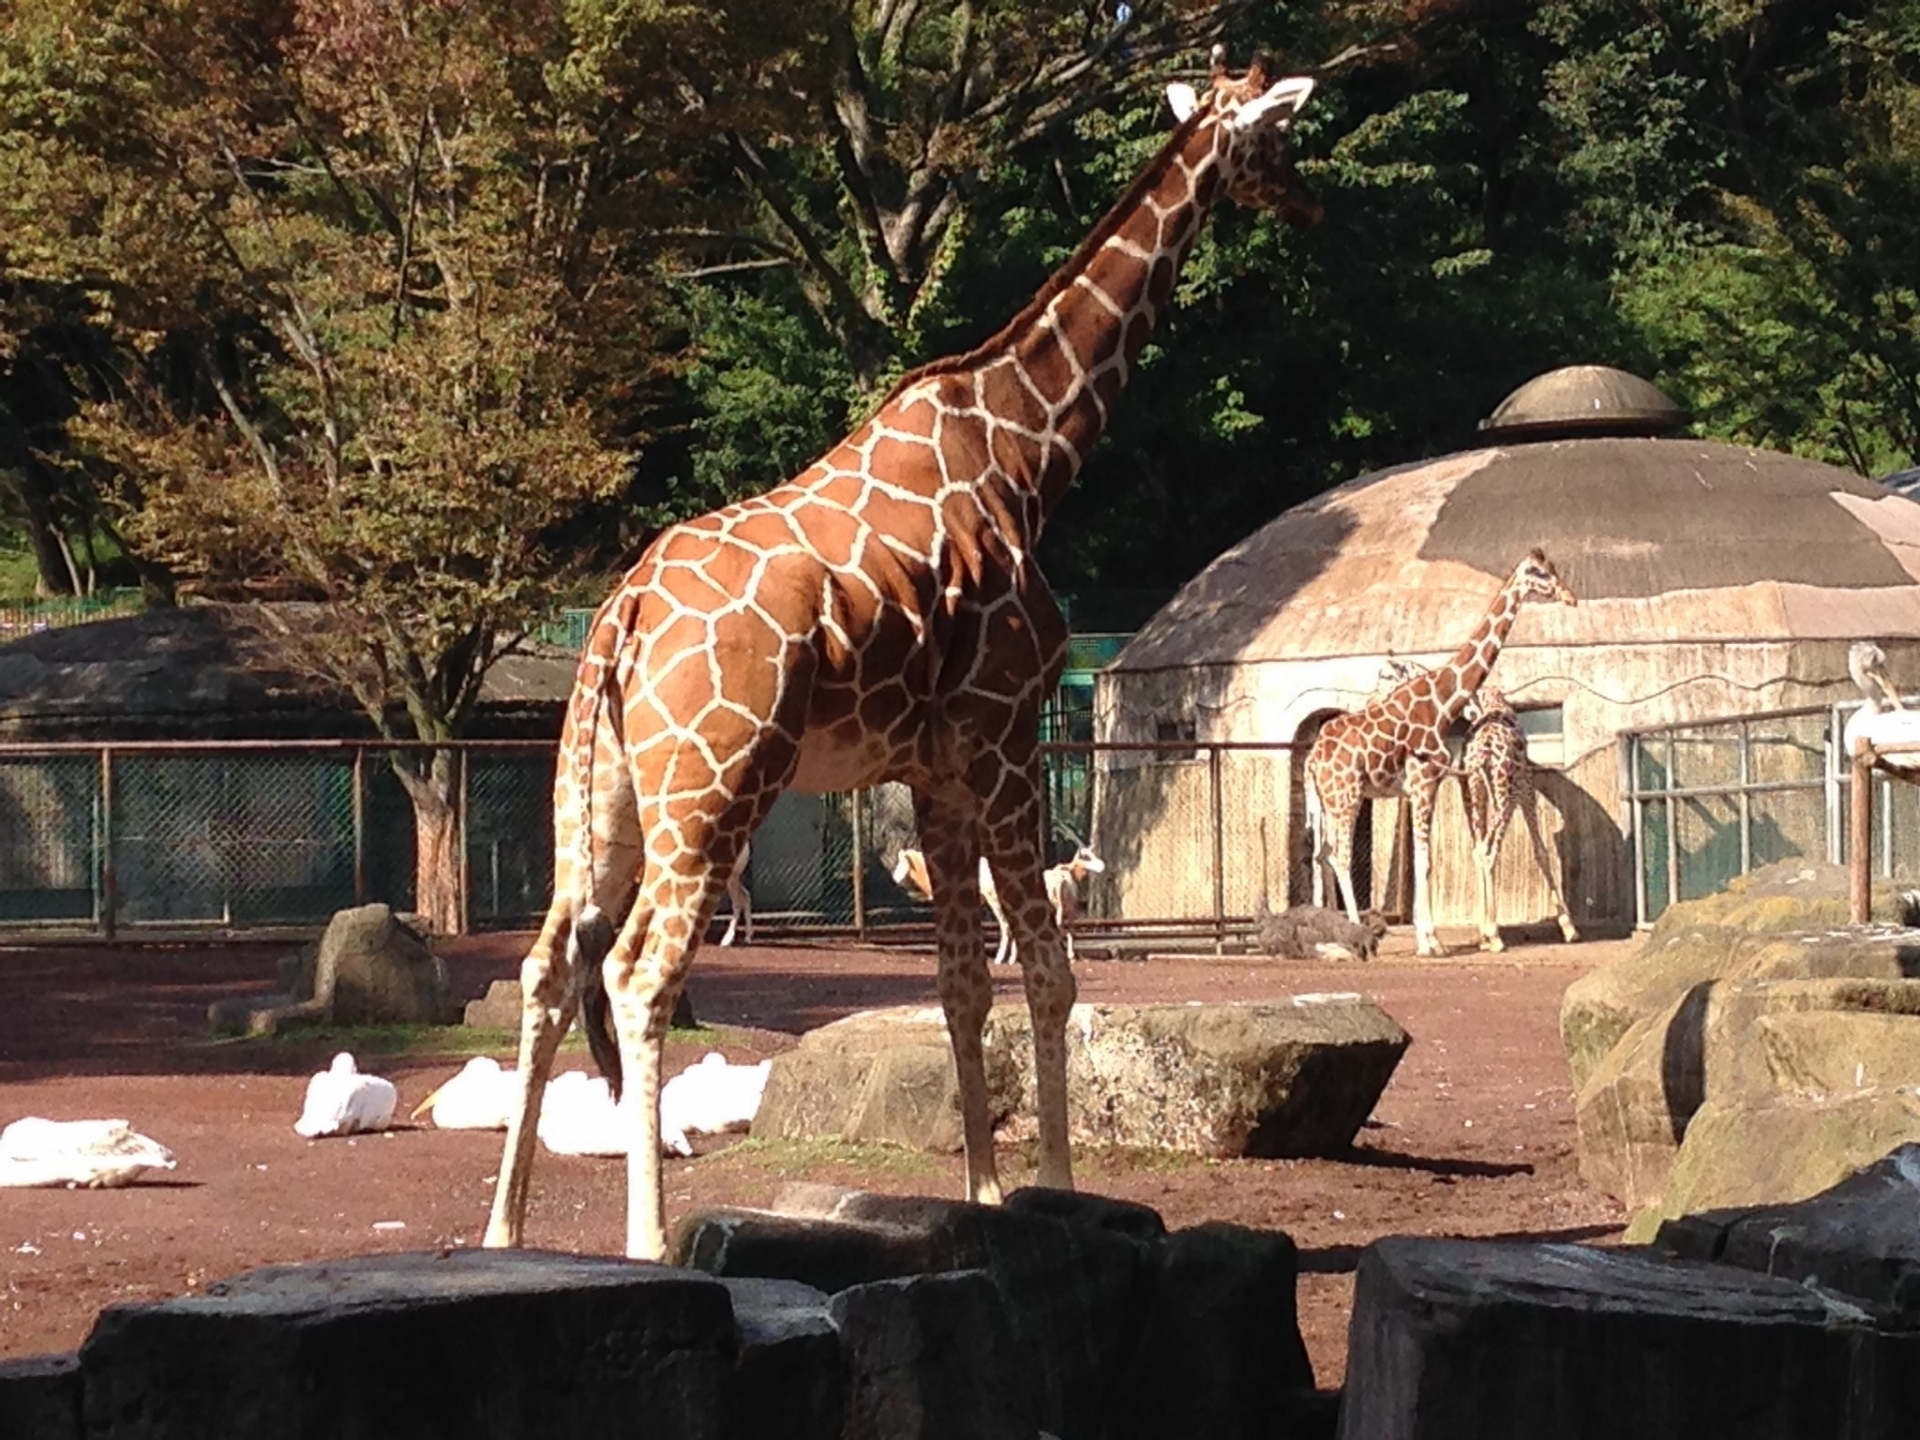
(1578, 400)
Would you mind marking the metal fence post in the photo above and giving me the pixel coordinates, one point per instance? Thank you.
(461, 782)
(859, 876)
(109, 881)
(1216, 801)
(358, 802)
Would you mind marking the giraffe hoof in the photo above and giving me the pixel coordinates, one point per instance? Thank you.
(1493, 943)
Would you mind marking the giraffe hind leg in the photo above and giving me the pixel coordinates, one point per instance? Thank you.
(551, 979)
(1543, 857)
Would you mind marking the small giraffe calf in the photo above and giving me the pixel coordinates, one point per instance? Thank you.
(1063, 884)
(1498, 781)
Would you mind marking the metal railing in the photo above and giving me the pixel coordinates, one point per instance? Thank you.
(1712, 799)
(135, 840)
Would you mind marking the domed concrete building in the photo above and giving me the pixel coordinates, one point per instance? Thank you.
(1713, 580)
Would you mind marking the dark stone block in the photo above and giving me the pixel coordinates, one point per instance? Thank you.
(459, 1344)
(1073, 1292)
(829, 1255)
(1219, 1352)
(789, 1382)
(1077, 1207)
(931, 1357)
(1861, 1237)
(1474, 1340)
(40, 1398)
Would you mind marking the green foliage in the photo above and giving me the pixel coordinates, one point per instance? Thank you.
(414, 318)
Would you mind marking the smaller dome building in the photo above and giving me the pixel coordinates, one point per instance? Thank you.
(1714, 580)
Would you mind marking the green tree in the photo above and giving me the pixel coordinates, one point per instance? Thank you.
(372, 274)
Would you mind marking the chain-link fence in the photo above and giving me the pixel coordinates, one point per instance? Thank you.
(1716, 799)
(135, 839)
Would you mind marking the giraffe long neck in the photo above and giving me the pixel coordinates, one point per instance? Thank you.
(1461, 675)
(1051, 377)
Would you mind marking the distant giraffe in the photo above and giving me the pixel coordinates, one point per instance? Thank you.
(1396, 745)
(880, 616)
(1497, 780)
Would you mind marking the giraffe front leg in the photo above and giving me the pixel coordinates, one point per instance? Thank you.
(1422, 789)
(1049, 984)
(950, 841)
(550, 996)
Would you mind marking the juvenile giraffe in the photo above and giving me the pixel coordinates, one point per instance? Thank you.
(879, 617)
(1397, 746)
(1497, 781)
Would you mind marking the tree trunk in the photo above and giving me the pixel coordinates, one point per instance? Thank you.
(431, 785)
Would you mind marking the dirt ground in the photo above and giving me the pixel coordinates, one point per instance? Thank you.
(1474, 1136)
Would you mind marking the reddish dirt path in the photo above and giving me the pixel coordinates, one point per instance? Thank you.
(1473, 1137)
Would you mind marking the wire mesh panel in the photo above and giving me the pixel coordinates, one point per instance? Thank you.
(49, 814)
(388, 842)
(231, 840)
(509, 837)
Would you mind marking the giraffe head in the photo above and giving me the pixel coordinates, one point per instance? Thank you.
(1252, 115)
(1534, 578)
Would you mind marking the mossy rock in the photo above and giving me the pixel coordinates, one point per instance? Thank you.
(1710, 1045)
(1739, 932)
(1776, 1152)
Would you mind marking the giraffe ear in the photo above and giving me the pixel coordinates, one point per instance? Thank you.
(1183, 99)
(1277, 106)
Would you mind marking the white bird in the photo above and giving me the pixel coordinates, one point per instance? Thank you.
(578, 1116)
(1884, 719)
(710, 1097)
(342, 1101)
(480, 1097)
(79, 1154)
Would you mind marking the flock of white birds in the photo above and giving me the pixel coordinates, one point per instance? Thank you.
(578, 1117)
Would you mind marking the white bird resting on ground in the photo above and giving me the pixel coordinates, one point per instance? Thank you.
(78, 1154)
(342, 1101)
(480, 1097)
(579, 1116)
(1884, 719)
(712, 1097)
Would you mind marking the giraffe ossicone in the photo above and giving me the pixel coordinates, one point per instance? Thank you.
(879, 617)
(1396, 747)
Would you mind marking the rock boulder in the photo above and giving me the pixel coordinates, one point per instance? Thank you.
(1716, 937)
(1746, 1153)
(1467, 1340)
(1744, 1041)
(1278, 1078)
(1860, 1238)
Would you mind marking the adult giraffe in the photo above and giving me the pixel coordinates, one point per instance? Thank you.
(879, 617)
(1397, 746)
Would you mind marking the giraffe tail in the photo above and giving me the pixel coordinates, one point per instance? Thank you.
(587, 945)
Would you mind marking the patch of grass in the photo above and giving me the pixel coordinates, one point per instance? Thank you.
(1113, 1160)
(790, 1159)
